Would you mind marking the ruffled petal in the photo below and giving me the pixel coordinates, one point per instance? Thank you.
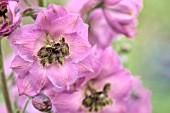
(69, 24)
(24, 85)
(33, 81)
(19, 65)
(79, 48)
(25, 39)
(85, 67)
(62, 76)
(45, 18)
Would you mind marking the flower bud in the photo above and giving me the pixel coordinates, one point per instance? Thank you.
(42, 103)
(10, 16)
(126, 48)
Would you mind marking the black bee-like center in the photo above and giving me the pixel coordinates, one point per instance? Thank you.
(97, 100)
(55, 52)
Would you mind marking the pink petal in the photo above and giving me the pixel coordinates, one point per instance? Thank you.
(19, 65)
(110, 62)
(79, 48)
(85, 67)
(58, 10)
(32, 82)
(98, 28)
(22, 36)
(62, 76)
(69, 24)
(120, 81)
(45, 18)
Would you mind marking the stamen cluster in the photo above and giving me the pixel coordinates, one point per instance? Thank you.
(54, 52)
(97, 100)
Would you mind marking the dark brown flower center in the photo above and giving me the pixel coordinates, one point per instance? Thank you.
(55, 52)
(95, 101)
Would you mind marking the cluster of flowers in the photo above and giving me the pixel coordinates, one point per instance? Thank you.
(65, 61)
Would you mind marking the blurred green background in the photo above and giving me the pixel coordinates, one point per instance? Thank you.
(150, 56)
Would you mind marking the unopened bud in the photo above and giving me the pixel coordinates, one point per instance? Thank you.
(41, 102)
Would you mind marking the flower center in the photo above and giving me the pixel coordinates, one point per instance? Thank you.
(4, 15)
(95, 101)
(54, 52)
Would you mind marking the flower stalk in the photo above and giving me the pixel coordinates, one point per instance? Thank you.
(26, 104)
(3, 83)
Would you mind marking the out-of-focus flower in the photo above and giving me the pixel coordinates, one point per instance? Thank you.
(10, 16)
(29, 3)
(49, 51)
(138, 100)
(108, 18)
(102, 92)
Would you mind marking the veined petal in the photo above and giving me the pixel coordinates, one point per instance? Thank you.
(79, 48)
(32, 82)
(85, 67)
(62, 76)
(45, 18)
(19, 65)
(69, 24)
(25, 86)
(25, 39)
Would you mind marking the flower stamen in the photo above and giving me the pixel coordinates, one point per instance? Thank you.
(55, 52)
(97, 100)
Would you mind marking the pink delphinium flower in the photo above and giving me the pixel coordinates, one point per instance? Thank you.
(10, 16)
(108, 18)
(49, 51)
(138, 100)
(101, 92)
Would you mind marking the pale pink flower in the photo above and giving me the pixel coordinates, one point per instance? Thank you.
(48, 52)
(10, 16)
(138, 100)
(108, 18)
(111, 84)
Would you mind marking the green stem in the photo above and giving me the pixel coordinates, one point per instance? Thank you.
(26, 104)
(3, 83)
(10, 76)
